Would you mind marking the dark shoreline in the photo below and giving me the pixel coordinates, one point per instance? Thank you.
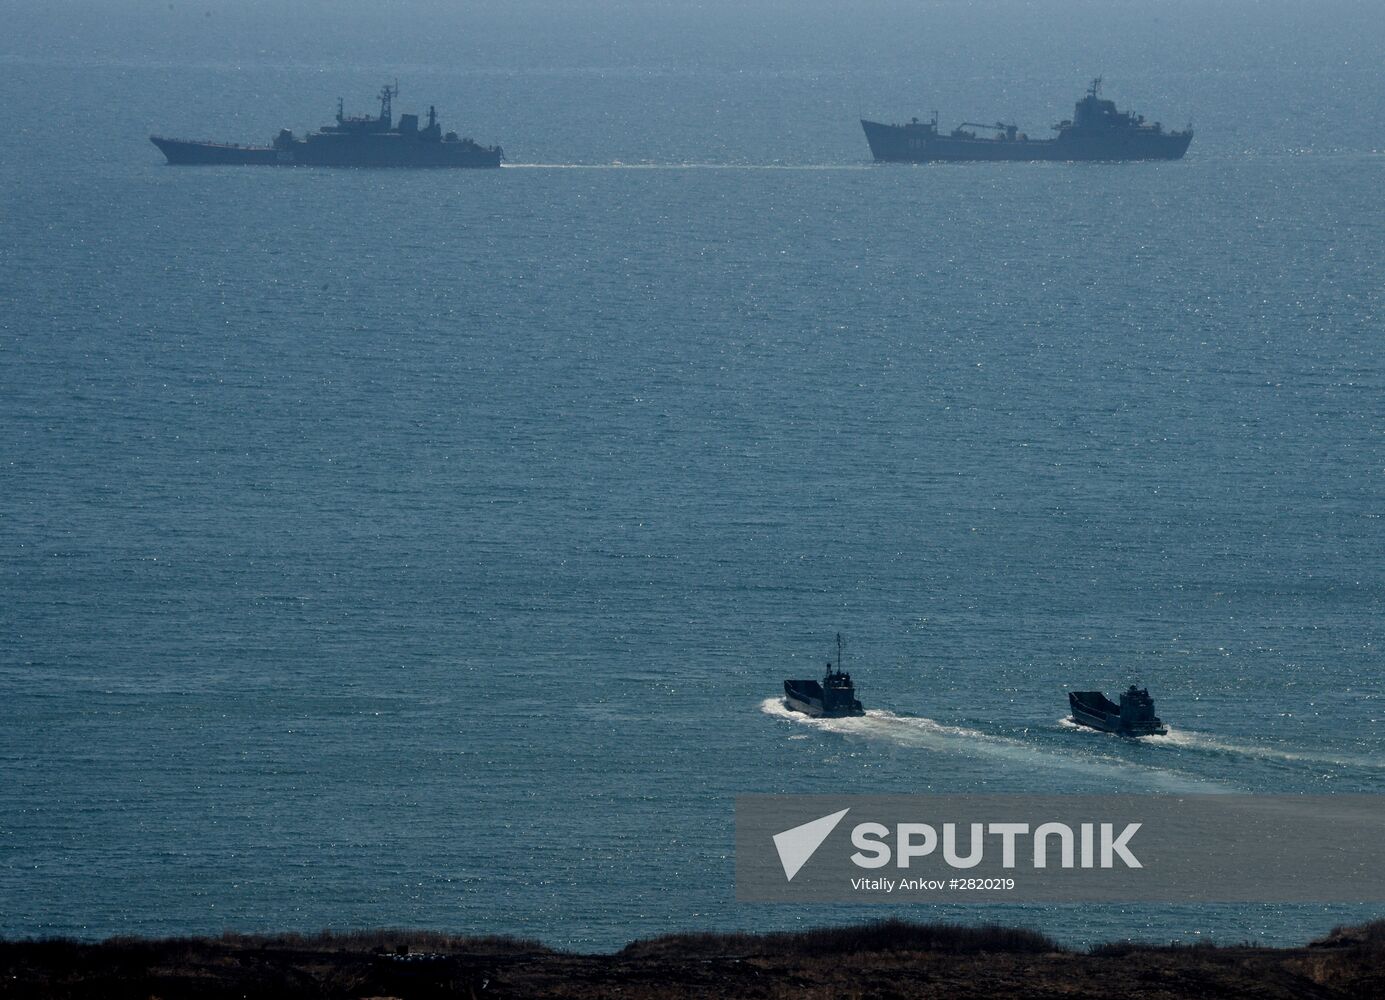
(889, 960)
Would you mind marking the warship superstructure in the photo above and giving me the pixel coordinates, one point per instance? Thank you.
(1097, 131)
(353, 141)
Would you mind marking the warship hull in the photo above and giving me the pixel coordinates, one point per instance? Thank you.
(382, 150)
(918, 144)
(184, 153)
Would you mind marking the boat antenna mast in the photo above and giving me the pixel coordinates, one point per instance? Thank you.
(1095, 89)
(387, 95)
(839, 652)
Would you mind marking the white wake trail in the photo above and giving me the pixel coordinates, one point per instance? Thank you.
(928, 734)
(1187, 739)
(687, 166)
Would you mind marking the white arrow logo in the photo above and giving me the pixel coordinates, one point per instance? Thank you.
(796, 846)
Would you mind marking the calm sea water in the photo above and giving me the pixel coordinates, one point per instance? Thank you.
(429, 549)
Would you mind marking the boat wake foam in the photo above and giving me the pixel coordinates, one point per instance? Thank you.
(928, 734)
(1187, 739)
(687, 166)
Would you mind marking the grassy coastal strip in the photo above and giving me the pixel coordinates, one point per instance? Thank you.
(883, 960)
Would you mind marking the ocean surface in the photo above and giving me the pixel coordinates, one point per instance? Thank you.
(428, 549)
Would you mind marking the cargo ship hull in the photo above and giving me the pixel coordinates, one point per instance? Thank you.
(918, 144)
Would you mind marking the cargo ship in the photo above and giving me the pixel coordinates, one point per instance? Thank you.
(833, 698)
(1134, 716)
(353, 141)
(1097, 131)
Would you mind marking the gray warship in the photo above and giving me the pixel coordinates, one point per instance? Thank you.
(353, 141)
(1097, 131)
(1134, 716)
(834, 698)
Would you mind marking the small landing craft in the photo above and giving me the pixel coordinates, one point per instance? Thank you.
(834, 698)
(1097, 131)
(1134, 716)
(354, 141)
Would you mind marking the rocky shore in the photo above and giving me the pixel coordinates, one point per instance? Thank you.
(890, 960)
